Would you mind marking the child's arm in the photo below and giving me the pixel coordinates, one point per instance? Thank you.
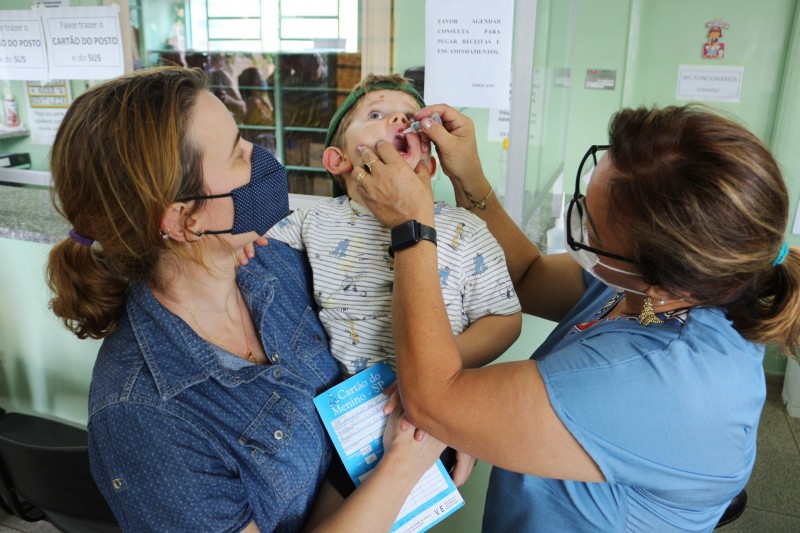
(488, 300)
(487, 338)
(288, 230)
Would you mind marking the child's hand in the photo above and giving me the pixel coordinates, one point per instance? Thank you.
(465, 464)
(249, 250)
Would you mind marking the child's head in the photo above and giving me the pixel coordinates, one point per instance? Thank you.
(378, 108)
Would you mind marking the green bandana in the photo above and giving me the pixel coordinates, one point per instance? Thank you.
(353, 98)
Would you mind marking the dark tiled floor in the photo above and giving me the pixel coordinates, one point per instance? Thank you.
(773, 504)
(10, 523)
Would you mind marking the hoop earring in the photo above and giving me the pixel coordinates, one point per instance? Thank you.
(647, 316)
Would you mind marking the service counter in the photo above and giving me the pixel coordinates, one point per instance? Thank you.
(44, 368)
(27, 214)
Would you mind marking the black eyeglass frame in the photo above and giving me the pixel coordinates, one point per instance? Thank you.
(576, 203)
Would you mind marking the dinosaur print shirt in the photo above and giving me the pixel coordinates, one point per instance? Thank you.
(353, 274)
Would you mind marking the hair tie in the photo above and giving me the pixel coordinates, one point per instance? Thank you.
(83, 241)
(782, 253)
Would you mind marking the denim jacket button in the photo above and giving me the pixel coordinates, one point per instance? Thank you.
(275, 357)
(277, 373)
(278, 434)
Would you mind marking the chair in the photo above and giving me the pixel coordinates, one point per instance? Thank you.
(44, 474)
(734, 510)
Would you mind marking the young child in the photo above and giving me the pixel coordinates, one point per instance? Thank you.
(349, 249)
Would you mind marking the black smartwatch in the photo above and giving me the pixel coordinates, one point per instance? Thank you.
(410, 233)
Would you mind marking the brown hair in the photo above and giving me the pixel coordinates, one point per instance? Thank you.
(120, 157)
(705, 207)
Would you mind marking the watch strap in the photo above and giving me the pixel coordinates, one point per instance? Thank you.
(410, 233)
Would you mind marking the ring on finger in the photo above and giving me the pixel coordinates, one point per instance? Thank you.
(368, 166)
(360, 177)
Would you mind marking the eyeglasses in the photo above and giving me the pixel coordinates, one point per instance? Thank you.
(578, 216)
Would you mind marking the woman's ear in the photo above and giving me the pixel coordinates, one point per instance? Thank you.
(336, 161)
(662, 294)
(176, 224)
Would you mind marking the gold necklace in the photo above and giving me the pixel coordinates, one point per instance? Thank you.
(249, 354)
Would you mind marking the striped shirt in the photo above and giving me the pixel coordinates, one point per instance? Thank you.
(353, 274)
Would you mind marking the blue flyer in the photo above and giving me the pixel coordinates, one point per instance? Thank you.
(352, 412)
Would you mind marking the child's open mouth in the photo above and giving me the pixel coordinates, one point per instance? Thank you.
(401, 144)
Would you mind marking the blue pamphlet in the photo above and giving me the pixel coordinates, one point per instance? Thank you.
(352, 412)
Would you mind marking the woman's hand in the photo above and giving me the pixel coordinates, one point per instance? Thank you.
(394, 403)
(402, 447)
(455, 144)
(392, 190)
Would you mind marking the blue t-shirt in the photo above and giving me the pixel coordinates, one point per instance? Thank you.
(668, 412)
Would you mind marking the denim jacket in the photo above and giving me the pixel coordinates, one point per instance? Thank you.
(180, 442)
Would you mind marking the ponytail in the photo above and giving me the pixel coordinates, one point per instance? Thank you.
(121, 156)
(89, 298)
(772, 316)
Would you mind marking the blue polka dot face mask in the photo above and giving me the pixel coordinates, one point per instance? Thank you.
(260, 203)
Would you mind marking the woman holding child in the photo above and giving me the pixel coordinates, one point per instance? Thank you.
(201, 414)
(640, 411)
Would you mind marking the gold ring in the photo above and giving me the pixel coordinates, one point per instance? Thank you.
(368, 166)
(360, 177)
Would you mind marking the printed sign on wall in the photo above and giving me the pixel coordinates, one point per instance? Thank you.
(718, 84)
(47, 105)
(22, 50)
(83, 43)
(468, 52)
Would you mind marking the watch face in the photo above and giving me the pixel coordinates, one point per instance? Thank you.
(409, 233)
(404, 235)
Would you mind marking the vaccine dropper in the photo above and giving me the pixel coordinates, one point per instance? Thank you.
(414, 127)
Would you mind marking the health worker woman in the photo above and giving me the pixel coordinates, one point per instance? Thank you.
(640, 411)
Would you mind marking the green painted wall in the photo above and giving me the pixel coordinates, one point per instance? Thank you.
(43, 367)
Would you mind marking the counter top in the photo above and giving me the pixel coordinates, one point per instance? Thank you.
(27, 214)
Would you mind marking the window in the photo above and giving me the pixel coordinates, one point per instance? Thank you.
(273, 25)
(281, 67)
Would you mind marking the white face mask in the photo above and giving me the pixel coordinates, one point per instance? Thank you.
(589, 261)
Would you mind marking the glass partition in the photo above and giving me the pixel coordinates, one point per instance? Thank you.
(281, 68)
(549, 115)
